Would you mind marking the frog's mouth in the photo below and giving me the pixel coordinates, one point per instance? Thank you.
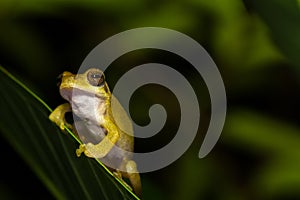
(68, 94)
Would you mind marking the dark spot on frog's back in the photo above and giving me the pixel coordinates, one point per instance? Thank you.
(106, 88)
(102, 127)
(104, 113)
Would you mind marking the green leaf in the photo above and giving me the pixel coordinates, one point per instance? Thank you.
(276, 142)
(50, 153)
(283, 20)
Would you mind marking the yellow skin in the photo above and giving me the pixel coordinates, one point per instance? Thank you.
(90, 99)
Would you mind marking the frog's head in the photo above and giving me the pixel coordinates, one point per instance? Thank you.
(92, 82)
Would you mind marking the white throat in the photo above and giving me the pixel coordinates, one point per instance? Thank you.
(88, 107)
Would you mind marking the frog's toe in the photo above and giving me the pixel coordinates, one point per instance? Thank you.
(118, 175)
(80, 150)
(62, 126)
(57, 120)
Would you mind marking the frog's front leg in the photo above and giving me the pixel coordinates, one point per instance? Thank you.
(58, 116)
(102, 148)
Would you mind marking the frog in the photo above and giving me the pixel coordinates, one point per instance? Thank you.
(90, 100)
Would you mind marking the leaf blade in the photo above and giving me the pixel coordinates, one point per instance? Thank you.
(24, 123)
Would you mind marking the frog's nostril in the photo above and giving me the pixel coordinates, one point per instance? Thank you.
(59, 76)
(58, 79)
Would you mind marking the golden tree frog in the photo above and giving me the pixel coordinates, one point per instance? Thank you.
(89, 98)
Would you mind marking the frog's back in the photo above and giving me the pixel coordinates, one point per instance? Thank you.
(125, 145)
(120, 117)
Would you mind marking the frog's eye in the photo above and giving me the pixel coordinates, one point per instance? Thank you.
(95, 78)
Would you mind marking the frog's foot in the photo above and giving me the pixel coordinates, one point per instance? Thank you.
(91, 150)
(80, 150)
(60, 122)
(69, 126)
(57, 120)
(118, 175)
(58, 116)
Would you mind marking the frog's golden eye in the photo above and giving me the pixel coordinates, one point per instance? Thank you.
(96, 78)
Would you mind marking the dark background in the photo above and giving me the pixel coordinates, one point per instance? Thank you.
(256, 48)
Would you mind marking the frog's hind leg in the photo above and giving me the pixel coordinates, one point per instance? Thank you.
(118, 174)
(134, 177)
(129, 170)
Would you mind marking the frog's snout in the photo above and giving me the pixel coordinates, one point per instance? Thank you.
(66, 74)
(61, 76)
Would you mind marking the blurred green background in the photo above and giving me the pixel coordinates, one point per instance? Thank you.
(255, 44)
